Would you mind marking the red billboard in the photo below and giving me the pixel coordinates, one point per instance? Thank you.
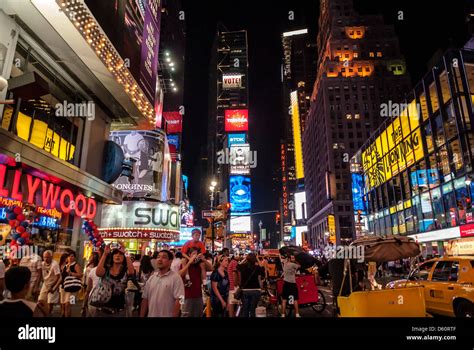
(467, 230)
(174, 122)
(236, 120)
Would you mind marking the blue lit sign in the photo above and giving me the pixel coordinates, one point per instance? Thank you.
(358, 192)
(240, 195)
(173, 140)
(425, 178)
(236, 139)
(47, 222)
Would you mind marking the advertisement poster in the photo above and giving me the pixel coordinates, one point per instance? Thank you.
(240, 195)
(240, 224)
(236, 139)
(174, 122)
(147, 150)
(236, 120)
(141, 215)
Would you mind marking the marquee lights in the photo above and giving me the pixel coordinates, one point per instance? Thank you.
(79, 14)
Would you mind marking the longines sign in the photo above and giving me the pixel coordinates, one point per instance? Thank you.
(140, 215)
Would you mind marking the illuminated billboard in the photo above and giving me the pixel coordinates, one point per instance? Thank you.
(240, 224)
(174, 122)
(240, 159)
(358, 192)
(398, 147)
(231, 81)
(173, 140)
(297, 135)
(240, 195)
(236, 120)
(185, 234)
(236, 139)
(300, 205)
(151, 159)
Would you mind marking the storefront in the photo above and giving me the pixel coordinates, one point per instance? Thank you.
(242, 241)
(141, 226)
(49, 208)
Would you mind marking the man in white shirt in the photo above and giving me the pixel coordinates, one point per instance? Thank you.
(51, 273)
(164, 291)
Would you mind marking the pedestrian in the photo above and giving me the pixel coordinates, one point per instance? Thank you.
(196, 244)
(153, 260)
(290, 289)
(91, 282)
(18, 283)
(164, 291)
(191, 274)
(91, 264)
(248, 276)
(230, 271)
(220, 287)
(51, 274)
(70, 269)
(58, 287)
(118, 268)
(33, 262)
(136, 263)
(176, 264)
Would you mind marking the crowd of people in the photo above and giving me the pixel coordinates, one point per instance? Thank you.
(190, 282)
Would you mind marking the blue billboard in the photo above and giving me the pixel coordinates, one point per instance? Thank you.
(240, 195)
(185, 234)
(358, 192)
(236, 139)
(425, 178)
(173, 140)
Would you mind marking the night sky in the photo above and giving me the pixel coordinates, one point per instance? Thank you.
(427, 27)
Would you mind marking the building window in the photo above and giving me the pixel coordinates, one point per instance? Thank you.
(357, 116)
(371, 54)
(356, 55)
(379, 54)
(348, 116)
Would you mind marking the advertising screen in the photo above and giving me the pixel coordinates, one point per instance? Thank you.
(397, 147)
(358, 192)
(300, 205)
(174, 122)
(240, 159)
(240, 195)
(240, 224)
(231, 81)
(141, 215)
(173, 140)
(236, 120)
(297, 135)
(236, 139)
(150, 157)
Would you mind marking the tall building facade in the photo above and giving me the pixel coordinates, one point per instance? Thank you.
(298, 76)
(414, 176)
(228, 137)
(359, 68)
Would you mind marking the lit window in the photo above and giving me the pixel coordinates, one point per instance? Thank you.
(379, 54)
(356, 55)
(357, 116)
(335, 146)
(371, 54)
(348, 116)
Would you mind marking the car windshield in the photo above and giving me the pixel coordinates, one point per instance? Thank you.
(422, 272)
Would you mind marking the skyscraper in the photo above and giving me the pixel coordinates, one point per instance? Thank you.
(228, 141)
(360, 67)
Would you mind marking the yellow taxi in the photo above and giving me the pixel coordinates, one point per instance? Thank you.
(448, 285)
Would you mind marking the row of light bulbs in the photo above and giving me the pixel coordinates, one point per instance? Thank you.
(81, 17)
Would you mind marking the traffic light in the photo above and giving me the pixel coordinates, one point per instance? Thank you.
(277, 218)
